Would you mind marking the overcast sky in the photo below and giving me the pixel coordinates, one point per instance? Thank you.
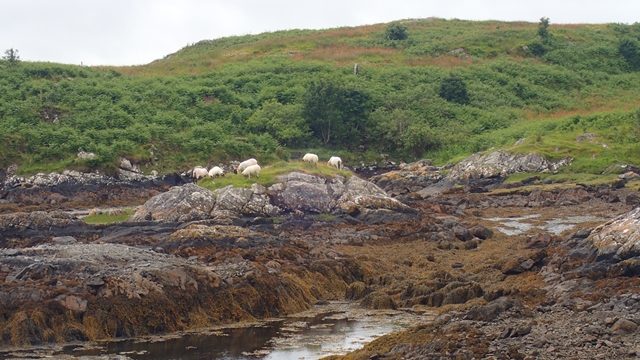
(133, 32)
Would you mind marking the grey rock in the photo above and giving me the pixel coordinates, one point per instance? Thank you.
(462, 233)
(298, 176)
(233, 199)
(86, 155)
(304, 196)
(624, 326)
(64, 240)
(179, 204)
(501, 164)
(481, 232)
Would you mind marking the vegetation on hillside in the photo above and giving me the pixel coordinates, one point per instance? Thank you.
(432, 87)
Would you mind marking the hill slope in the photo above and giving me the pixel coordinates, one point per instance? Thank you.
(450, 88)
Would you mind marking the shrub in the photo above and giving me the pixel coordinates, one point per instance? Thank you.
(396, 31)
(454, 89)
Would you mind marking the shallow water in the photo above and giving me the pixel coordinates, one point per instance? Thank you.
(335, 329)
(522, 224)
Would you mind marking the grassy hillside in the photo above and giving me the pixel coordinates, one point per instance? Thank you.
(450, 88)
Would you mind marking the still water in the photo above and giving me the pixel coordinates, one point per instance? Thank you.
(329, 332)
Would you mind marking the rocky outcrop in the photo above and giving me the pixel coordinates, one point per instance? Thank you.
(297, 192)
(500, 164)
(478, 172)
(409, 178)
(222, 274)
(180, 204)
(611, 249)
(74, 186)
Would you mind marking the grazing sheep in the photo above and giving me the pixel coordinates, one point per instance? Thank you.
(216, 171)
(199, 172)
(335, 162)
(252, 170)
(310, 158)
(243, 165)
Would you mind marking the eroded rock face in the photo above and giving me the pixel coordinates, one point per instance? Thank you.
(501, 164)
(179, 204)
(409, 178)
(297, 192)
(610, 250)
(304, 196)
(619, 238)
(74, 186)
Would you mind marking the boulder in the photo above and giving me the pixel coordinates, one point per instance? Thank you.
(232, 199)
(618, 238)
(481, 232)
(462, 233)
(610, 250)
(539, 241)
(305, 196)
(624, 326)
(180, 204)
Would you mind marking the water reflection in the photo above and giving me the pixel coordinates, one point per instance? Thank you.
(292, 338)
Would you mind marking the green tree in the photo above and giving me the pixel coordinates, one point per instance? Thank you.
(418, 138)
(454, 89)
(396, 31)
(543, 29)
(629, 48)
(336, 113)
(283, 122)
(11, 56)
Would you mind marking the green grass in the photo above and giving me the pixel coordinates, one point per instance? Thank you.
(105, 218)
(568, 178)
(324, 217)
(269, 173)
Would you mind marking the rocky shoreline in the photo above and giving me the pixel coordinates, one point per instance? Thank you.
(210, 258)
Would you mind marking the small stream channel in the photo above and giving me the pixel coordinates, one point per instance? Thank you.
(331, 329)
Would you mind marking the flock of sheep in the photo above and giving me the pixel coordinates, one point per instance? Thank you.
(250, 167)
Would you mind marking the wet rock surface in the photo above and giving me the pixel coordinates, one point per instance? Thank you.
(210, 258)
(74, 187)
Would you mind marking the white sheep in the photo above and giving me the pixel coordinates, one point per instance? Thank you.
(199, 172)
(243, 165)
(252, 170)
(310, 158)
(216, 171)
(335, 162)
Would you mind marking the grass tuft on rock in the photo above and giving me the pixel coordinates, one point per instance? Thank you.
(268, 175)
(108, 217)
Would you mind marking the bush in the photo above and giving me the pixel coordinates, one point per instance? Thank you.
(454, 89)
(396, 31)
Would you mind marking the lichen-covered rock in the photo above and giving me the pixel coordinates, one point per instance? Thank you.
(501, 164)
(298, 176)
(409, 178)
(179, 204)
(356, 186)
(233, 199)
(305, 196)
(619, 238)
(610, 250)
